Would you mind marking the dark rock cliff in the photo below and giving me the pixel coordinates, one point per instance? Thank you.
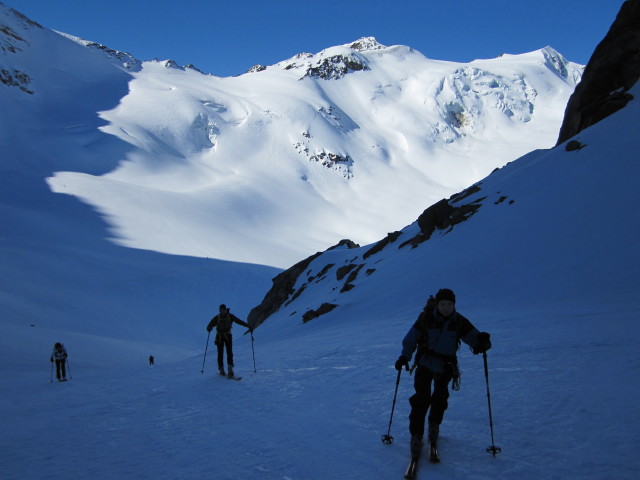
(612, 70)
(283, 287)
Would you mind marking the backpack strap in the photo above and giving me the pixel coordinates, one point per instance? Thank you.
(422, 324)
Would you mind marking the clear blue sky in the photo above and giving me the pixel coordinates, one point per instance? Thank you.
(227, 37)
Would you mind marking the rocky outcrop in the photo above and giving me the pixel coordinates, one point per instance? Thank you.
(366, 44)
(335, 67)
(445, 214)
(612, 70)
(11, 39)
(331, 64)
(378, 247)
(257, 68)
(16, 78)
(125, 59)
(321, 310)
(283, 287)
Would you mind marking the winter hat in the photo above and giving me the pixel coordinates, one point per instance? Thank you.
(223, 307)
(446, 294)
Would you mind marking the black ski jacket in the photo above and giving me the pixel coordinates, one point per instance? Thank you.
(438, 339)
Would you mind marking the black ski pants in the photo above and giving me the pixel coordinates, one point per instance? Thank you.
(425, 398)
(224, 340)
(61, 371)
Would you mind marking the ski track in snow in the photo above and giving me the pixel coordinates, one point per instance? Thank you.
(315, 410)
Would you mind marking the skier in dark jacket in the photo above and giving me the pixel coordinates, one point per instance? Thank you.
(223, 322)
(436, 335)
(59, 355)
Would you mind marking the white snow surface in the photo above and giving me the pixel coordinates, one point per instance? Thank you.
(273, 165)
(552, 272)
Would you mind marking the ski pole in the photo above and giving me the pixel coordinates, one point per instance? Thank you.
(388, 439)
(205, 351)
(492, 449)
(68, 368)
(254, 353)
(51, 372)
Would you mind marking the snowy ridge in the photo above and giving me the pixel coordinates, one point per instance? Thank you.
(361, 135)
(125, 59)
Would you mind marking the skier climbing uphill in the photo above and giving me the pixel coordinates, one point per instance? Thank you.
(59, 355)
(436, 335)
(223, 323)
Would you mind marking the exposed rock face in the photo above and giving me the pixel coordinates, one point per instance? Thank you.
(330, 65)
(257, 68)
(335, 67)
(445, 214)
(127, 60)
(16, 78)
(366, 44)
(283, 285)
(322, 309)
(612, 70)
(378, 247)
(13, 40)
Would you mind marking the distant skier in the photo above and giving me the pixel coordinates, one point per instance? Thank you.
(436, 335)
(223, 323)
(151, 360)
(59, 354)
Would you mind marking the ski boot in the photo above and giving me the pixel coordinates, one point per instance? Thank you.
(434, 431)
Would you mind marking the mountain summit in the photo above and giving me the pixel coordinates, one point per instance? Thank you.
(282, 161)
(275, 164)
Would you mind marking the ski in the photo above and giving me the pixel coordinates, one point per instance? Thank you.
(234, 378)
(412, 469)
(434, 457)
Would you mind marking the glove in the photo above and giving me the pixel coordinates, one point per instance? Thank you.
(209, 328)
(401, 362)
(51, 358)
(483, 343)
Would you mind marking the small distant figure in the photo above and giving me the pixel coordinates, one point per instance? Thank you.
(151, 360)
(59, 355)
(223, 322)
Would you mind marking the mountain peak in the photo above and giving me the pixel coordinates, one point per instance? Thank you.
(332, 62)
(365, 44)
(555, 61)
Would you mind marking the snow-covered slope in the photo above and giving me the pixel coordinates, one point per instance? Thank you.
(56, 258)
(547, 265)
(290, 160)
(550, 270)
(553, 226)
(282, 161)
